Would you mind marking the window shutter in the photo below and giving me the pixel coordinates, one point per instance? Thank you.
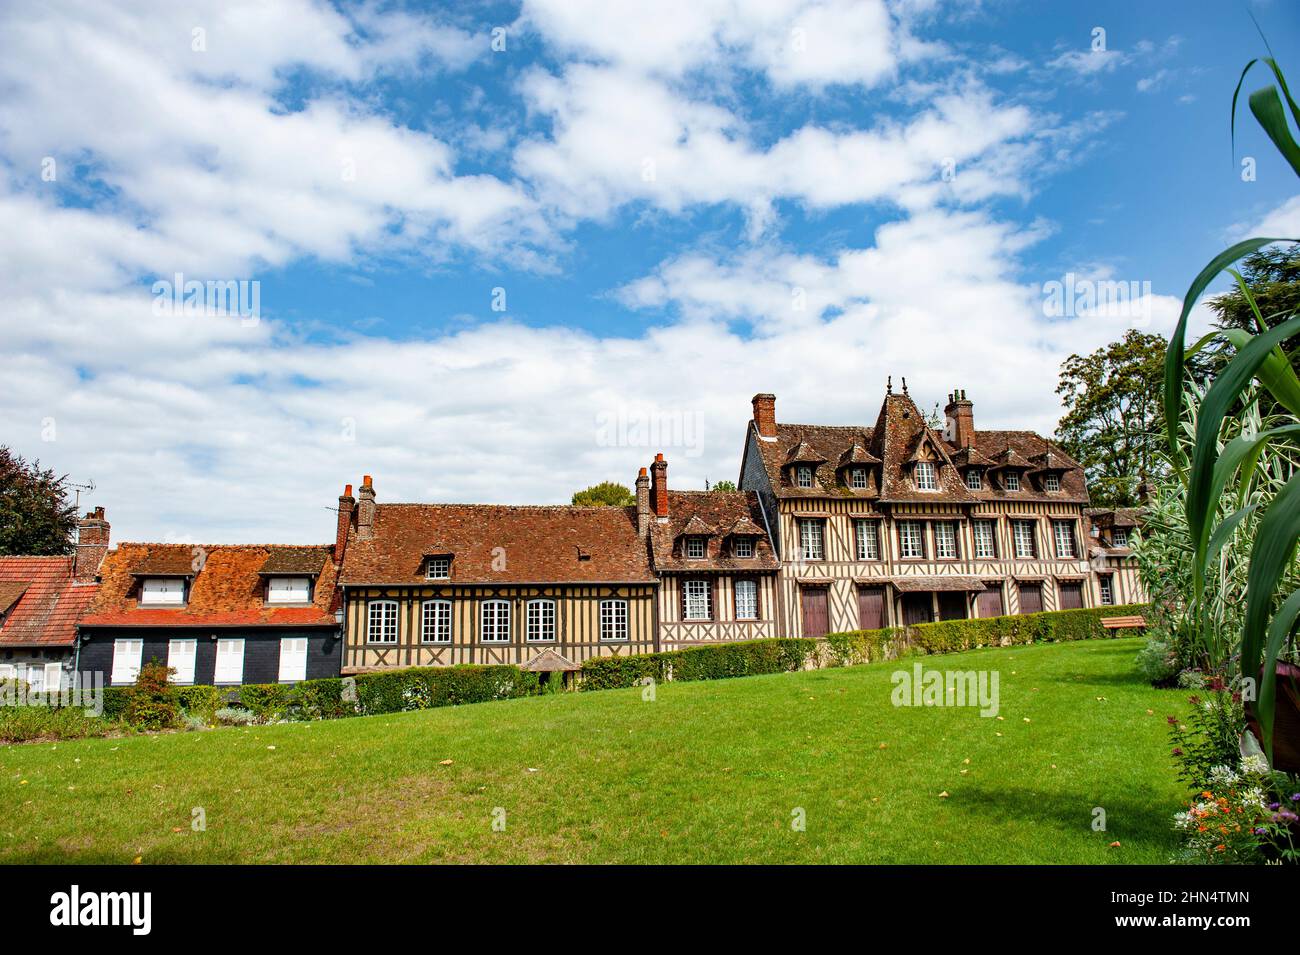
(230, 661)
(53, 677)
(126, 660)
(293, 659)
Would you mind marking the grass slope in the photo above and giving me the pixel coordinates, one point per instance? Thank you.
(708, 772)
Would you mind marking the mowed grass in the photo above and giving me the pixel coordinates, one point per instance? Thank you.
(707, 772)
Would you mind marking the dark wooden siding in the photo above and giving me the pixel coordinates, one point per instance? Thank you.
(261, 650)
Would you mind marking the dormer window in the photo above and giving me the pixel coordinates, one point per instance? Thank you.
(1011, 481)
(858, 478)
(803, 475)
(975, 479)
(288, 590)
(696, 548)
(1051, 482)
(438, 567)
(1119, 537)
(162, 592)
(743, 547)
(925, 477)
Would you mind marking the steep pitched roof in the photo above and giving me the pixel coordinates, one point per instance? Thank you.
(226, 591)
(497, 543)
(720, 514)
(899, 438)
(44, 602)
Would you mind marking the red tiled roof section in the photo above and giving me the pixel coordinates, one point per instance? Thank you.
(537, 544)
(46, 611)
(897, 439)
(227, 590)
(718, 513)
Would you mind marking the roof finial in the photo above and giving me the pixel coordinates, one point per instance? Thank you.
(889, 385)
(904, 384)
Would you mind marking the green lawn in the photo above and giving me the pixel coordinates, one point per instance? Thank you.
(708, 772)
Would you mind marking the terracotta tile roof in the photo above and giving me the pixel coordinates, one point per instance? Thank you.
(898, 439)
(927, 584)
(46, 603)
(226, 591)
(538, 544)
(719, 514)
(295, 562)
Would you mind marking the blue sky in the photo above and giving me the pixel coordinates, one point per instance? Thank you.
(676, 207)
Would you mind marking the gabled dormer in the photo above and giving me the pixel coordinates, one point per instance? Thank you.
(742, 538)
(1009, 470)
(923, 466)
(973, 467)
(693, 539)
(1049, 468)
(858, 470)
(801, 464)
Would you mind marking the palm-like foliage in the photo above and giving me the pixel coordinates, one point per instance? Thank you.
(1223, 453)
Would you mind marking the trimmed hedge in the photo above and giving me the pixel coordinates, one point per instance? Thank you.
(420, 688)
(1052, 626)
(865, 646)
(714, 662)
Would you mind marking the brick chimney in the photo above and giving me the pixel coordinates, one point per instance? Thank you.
(92, 545)
(960, 415)
(366, 509)
(347, 504)
(643, 502)
(659, 487)
(765, 416)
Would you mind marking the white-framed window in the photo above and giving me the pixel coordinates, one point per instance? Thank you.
(925, 476)
(1119, 537)
(126, 660)
(494, 621)
(541, 621)
(293, 659)
(743, 546)
(162, 591)
(984, 539)
(1022, 535)
(911, 539)
(1051, 482)
(812, 545)
(1063, 532)
(230, 661)
(435, 621)
(857, 478)
(945, 540)
(1106, 589)
(695, 548)
(438, 567)
(288, 590)
(53, 677)
(975, 479)
(381, 621)
(35, 678)
(803, 475)
(746, 599)
(1011, 480)
(180, 657)
(697, 598)
(868, 540)
(613, 619)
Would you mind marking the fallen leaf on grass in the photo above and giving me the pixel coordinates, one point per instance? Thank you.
(944, 794)
(445, 762)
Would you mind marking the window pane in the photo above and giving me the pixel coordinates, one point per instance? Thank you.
(698, 600)
(868, 541)
(744, 547)
(383, 621)
(973, 479)
(945, 540)
(439, 568)
(984, 539)
(496, 621)
(1051, 482)
(436, 622)
(1023, 532)
(613, 620)
(541, 620)
(911, 542)
(746, 599)
(1064, 538)
(1012, 481)
(925, 478)
(810, 539)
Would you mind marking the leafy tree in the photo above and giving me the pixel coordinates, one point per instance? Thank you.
(1114, 421)
(605, 494)
(720, 486)
(1273, 276)
(35, 514)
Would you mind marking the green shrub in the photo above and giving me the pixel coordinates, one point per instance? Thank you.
(235, 716)
(23, 724)
(152, 704)
(852, 647)
(714, 662)
(201, 701)
(1157, 661)
(115, 701)
(321, 699)
(419, 688)
(1053, 626)
(268, 701)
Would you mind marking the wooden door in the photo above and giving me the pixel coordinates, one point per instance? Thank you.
(871, 608)
(815, 604)
(1071, 595)
(1031, 598)
(952, 605)
(917, 608)
(989, 602)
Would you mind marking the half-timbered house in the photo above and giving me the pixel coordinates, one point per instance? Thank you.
(714, 561)
(214, 613)
(1115, 568)
(895, 523)
(446, 584)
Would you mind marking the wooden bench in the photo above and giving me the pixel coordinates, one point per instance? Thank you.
(1124, 623)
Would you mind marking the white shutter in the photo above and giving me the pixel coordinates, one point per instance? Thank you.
(288, 590)
(53, 677)
(8, 671)
(165, 591)
(293, 659)
(126, 660)
(180, 657)
(230, 662)
(35, 678)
